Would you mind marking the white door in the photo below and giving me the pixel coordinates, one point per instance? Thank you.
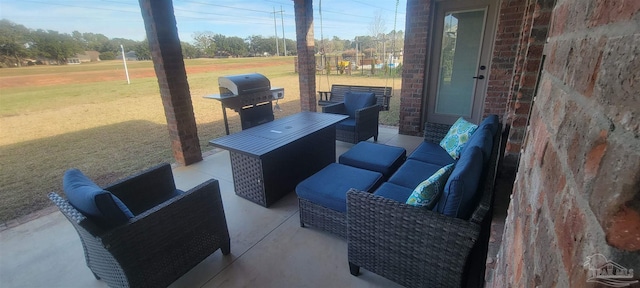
(459, 64)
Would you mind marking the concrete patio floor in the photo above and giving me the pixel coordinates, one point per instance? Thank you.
(268, 246)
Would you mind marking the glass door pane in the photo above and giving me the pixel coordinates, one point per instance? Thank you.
(459, 60)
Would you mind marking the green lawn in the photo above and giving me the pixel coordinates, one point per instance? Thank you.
(109, 129)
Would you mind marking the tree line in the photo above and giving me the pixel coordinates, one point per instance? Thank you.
(19, 45)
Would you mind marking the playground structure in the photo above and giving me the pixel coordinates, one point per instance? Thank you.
(337, 64)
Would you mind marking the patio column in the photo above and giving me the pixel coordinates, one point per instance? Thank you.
(166, 52)
(306, 58)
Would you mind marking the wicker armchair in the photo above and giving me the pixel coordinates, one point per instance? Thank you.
(417, 247)
(159, 244)
(362, 123)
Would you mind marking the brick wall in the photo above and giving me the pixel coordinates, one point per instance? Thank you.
(413, 69)
(306, 64)
(505, 48)
(577, 191)
(160, 25)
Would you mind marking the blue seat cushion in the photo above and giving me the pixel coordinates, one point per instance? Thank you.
(412, 173)
(348, 124)
(358, 100)
(375, 157)
(460, 195)
(92, 201)
(492, 122)
(328, 187)
(393, 192)
(431, 153)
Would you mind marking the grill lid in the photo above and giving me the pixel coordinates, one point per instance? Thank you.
(243, 84)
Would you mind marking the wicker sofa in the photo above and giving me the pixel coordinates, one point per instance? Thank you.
(417, 247)
(171, 231)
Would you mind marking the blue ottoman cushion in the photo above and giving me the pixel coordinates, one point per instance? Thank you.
(394, 192)
(329, 186)
(375, 157)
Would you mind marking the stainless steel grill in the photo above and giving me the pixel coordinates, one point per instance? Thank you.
(250, 95)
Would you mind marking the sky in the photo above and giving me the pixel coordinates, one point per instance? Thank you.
(345, 19)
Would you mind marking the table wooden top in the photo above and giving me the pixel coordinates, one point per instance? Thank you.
(269, 136)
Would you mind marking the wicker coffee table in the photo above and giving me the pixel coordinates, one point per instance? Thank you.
(269, 160)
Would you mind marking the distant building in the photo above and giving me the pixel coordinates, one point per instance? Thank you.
(86, 56)
(130, 56)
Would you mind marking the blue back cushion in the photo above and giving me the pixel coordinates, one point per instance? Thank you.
(94, 202)
(482, 139)
(460, 196)
(354, 101)
(492, 122)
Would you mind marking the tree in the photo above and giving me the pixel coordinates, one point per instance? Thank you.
(107, 55)
(232, 46)
(53, 45)
(378, 26)
(204, 41)
(96, 42)
(13, 43)
(142, 50)
(189, 51)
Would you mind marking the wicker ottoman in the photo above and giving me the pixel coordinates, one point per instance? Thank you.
(323, 196)
(375, 157)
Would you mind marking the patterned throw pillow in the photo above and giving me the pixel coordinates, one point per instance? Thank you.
(457, 136)
(428, 192)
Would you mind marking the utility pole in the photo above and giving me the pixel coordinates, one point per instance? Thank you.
(357, 52)
(284, 40)
(124, 60)
(275, 27)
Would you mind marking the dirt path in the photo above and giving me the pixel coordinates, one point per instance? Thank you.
(107, 75)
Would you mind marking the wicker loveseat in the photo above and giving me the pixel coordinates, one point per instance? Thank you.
(417, 247)
(170, 231)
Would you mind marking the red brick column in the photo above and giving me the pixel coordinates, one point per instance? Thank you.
(160, 24)
(306, 60)
(413, 69)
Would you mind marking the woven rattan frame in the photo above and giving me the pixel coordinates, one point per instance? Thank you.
(366, 123)
(322, 218)
(157, 246)
(248, 178)
(417, 247)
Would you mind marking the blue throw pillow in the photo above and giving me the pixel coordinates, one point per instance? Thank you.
(354, 101)
(94, 202)
(458, 135)
(427, 192)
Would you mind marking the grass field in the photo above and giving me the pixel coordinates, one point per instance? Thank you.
(86, 116)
